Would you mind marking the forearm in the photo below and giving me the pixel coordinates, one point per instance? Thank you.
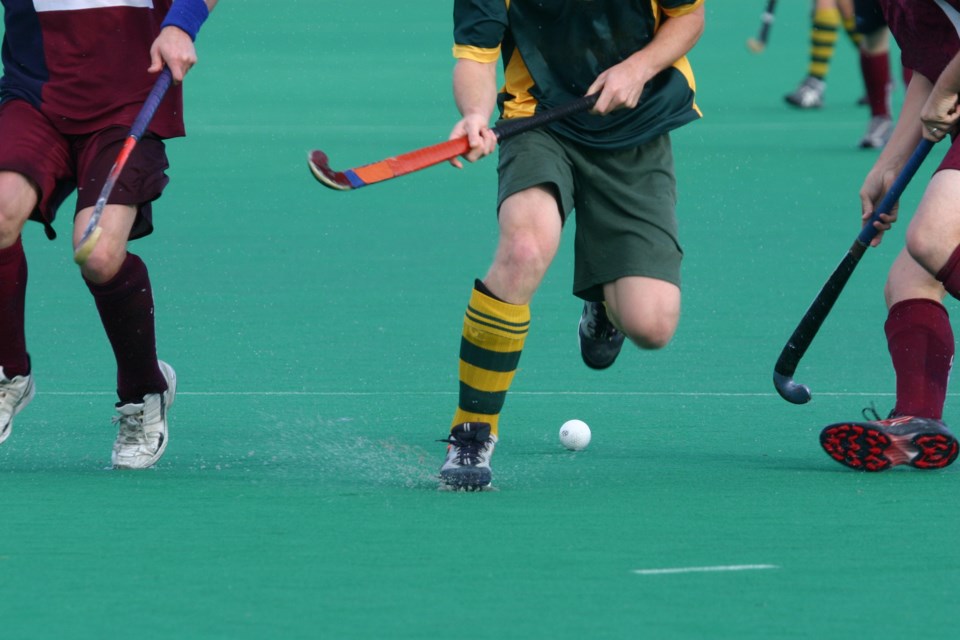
(475, 88)
(949, 80)
(675, 38)
(907, 133)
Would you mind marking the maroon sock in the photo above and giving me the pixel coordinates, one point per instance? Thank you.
(125, 304)
(13, 292)
(921, 345)
(876, 76)
(949, 275)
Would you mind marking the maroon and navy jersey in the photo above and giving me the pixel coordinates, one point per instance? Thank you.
(927, 32)
(83, 63)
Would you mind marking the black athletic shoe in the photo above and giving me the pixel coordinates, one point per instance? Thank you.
(469, 447)
(877, 445)
(600, 341)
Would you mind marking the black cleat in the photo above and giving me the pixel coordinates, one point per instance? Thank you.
(600, 341)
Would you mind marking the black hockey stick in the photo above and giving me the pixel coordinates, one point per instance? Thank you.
(805, 332)
(759, 43)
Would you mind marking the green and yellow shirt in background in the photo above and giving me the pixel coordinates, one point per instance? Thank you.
(553, 50)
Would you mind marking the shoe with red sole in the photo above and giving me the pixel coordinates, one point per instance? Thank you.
(878, 445)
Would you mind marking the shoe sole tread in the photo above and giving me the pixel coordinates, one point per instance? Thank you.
(866, 447)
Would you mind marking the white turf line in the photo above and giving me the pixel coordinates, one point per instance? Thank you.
(672, 394)
(729, 567)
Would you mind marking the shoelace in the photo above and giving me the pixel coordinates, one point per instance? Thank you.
(467, 452)
(602, 328)
(4, 395)
(872, 415)
(4, 392)
(131, 428)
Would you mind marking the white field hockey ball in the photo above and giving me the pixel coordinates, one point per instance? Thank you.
(575, 435)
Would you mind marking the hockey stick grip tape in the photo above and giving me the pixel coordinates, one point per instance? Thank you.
(151, 104)
(517, 126)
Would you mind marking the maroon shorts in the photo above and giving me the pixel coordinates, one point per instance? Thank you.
(58, 164)
(952, 159)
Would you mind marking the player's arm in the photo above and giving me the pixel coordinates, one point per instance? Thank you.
(478, 29)
(940, 113)
(621, 85)
(906, 135)
(475, 93)
(174, 46)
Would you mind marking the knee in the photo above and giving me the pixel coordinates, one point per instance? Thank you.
(104, 262)
(923, 246)
(525, 251)
(11, 223)
(649, 333)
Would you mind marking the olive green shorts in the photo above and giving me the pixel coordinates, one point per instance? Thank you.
(624, 199)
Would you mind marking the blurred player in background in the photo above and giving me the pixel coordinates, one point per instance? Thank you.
(613, 166)
(75, 75)
(828, 16)
(863, 22)
(918, 331)
(875, 68)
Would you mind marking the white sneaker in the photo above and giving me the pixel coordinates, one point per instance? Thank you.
(809, 95)
(142, 438)
(878, 132)
(469, 447)
(15, 394)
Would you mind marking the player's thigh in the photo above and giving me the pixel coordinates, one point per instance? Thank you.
(626, 217)
(536, 159)
(934, 231)
(535, 195)
(36, 166)
(530, 231)
(141, 182)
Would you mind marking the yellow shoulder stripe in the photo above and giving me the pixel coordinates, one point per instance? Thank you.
(477, 54)
(682, 11)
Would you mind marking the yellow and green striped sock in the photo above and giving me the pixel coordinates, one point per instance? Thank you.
(490, 347)
(823, 41)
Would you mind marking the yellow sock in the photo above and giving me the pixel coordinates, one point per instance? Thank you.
(493, 335)
(850, 25)
(823, 41)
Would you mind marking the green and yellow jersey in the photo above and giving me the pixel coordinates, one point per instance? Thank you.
(553, 50)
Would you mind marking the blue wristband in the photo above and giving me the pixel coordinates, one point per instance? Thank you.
(188, 15)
